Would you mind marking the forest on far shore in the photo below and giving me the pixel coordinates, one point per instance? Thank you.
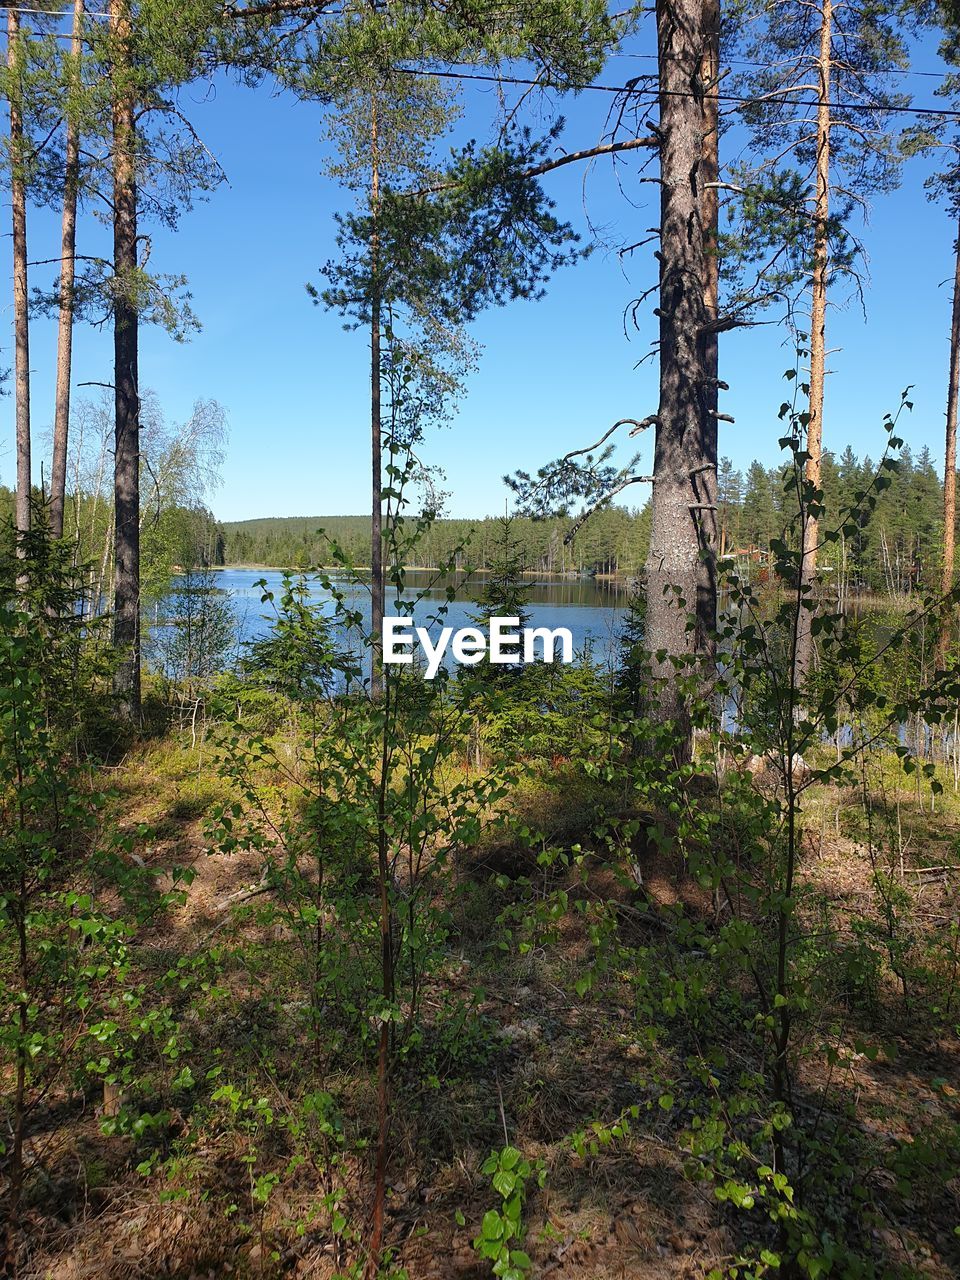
(897, 547)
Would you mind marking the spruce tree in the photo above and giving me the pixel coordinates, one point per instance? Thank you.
(758, 518)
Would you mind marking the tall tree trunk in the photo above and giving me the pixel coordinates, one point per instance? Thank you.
(710, 176)
(68, 246)
(126, 616)
(681, 561)
(377, 585)
(21, 319)
(818, 347)
(950, 466)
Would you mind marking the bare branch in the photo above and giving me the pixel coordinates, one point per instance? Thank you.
(650, 421)
(621, 422)
(590, 153)
(536, 171)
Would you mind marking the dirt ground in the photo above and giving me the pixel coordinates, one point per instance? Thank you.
(627, 1212)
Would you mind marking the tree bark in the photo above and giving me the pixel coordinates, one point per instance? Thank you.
(818, 330)
(377, 585)
(126, 617)
(681, 566)
(21, 318)
(710, 176)
(68, 247)
(950, 467)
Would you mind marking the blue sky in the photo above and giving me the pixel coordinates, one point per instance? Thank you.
(553, 375)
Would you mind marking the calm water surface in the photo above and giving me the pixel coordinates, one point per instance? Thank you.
(591, 610)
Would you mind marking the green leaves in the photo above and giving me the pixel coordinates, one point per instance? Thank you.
(510, 1173)
(493, 1226)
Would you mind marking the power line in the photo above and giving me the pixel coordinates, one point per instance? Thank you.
(746, 62)
(945, 113)
(53, 13)
(630, 88)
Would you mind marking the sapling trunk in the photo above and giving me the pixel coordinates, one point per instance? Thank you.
(20, 909)
(377, 586)
(388, 991)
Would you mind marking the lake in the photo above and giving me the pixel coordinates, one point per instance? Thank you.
(591, 610)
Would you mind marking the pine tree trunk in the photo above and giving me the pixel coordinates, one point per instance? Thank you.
(21, 318)
(709, 177)
(68, 245)
(818, 338)
(681, 559)
(950, 467)
(377, 585)
(126, 617)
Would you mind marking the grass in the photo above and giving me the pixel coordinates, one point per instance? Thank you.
(510, 1049)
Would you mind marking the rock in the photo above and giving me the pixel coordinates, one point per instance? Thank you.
(770, 767)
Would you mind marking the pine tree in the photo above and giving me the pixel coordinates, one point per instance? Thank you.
(126, 379)
(944, 187)
(16, 82)
(422, 257)
(68, 248)
(840, 145)
(385, 133)
(146, 52)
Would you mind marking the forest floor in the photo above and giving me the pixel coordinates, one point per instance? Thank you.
(534, 1065)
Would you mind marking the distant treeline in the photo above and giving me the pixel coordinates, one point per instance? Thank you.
(895, 548)
(612, 541)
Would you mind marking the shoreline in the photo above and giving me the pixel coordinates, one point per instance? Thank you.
(621, 581)
(426, 568)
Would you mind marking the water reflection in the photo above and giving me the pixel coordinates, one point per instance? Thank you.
(591, 609)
